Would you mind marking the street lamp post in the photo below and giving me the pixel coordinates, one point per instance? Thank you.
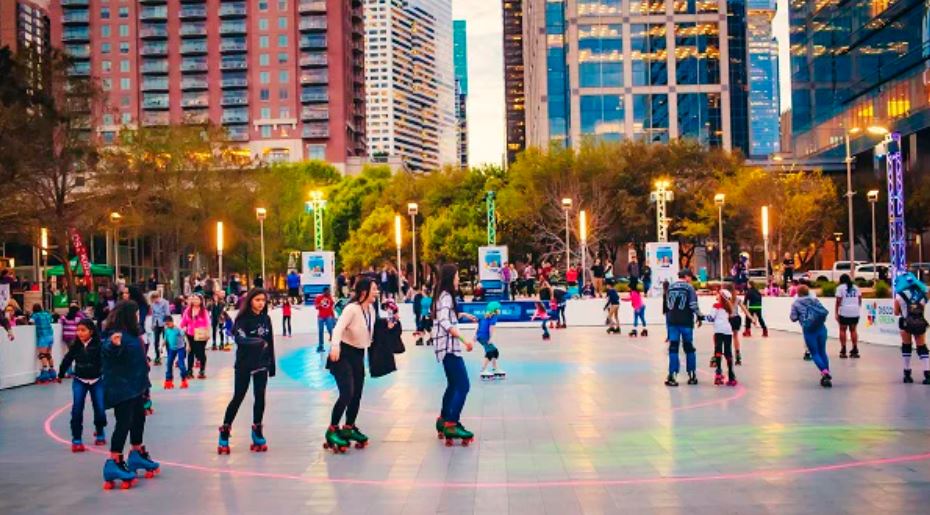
(660, 196)
(719, 199)
(412, 210)
(851, 252)
(115, 219)
(316, 205)
(219, 250)
(261, 213)
(43, 244)
(397, 241)
(765, 242)
(872, 195)
(583, 235)
(567, 206)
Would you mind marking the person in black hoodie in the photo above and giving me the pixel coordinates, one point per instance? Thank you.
(125, 383)
(255, 363)
(84, 353)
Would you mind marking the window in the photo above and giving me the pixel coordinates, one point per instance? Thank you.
(263, 6)
(263, 94)
(282, 22)
(266, 113)
(124, 65)
(282, 94)
(282, 58)
(263, 60)
(698, 53)
(602, 116)
(282, 5)
(125, 83)
(263, 24)
(106, 65)
(126, 118)
(699, 118)
(283, 76)
(124, 101)
(124, 31)
(600, 56)
(124, 47)
(266, 131)
(282, 41)
(650, 57)
(263, 42)
(650, 118)
(104, 13)
(106, 84)
(108, 119)
(105, 31)
(316, 152)
(284, 112)
(264, 78)
(104, 48)
(124, 12)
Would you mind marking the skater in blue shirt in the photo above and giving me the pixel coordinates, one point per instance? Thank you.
(682, 308)
(483, 336)
(176, 348)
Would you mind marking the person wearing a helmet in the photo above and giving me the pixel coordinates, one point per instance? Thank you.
(910, 304)
(485, 330)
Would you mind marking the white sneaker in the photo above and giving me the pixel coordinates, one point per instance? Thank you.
(499, 372)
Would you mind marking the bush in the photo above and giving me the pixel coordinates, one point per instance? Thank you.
(622, 287)
(882, 290)
(828, 289)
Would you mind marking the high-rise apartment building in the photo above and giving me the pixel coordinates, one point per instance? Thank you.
(514, 84)
(762, 53)
(650, 70)
(460, 58)
(410, 82)
(285, 78)
(25, 30)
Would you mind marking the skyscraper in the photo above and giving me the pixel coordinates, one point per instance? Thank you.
(284, 77)
(514, 84)
(650, 70)
(762, 52)
(25, 30)
(410, 82)
(460, 53)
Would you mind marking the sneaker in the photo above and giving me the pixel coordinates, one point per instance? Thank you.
(692, 378)
(843, 353)
(855, 353)
(671, 381)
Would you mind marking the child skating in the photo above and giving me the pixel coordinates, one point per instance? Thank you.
(612, 307)
(639, 309)
(484, 336)
(723, 336)
(84, 354)
(42, 321)
(542, 313)
(176, 348)
(812, 316)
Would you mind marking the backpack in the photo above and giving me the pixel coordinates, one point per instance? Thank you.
(815, 318)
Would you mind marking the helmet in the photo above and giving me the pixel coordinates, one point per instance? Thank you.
(908, 280)
(493, 307)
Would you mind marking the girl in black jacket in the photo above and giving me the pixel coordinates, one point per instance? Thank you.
(254, 363)
(84, 353)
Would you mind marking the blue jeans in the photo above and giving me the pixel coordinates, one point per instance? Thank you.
(545, 327)
(456, 389)
(684, 336)
(639, 316)
(817, 345)
(80, 391)
(325, 323)
(181, 356)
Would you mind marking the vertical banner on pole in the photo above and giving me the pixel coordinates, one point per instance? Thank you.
(492, 218)
(897, 234)
(81, 252)
(662, 257)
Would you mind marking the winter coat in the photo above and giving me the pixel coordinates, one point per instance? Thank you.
(125, 370)
(381, 353)
(88, 362)
(254, 343)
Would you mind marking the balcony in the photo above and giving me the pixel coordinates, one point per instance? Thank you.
(312, 6)
(189, 83)
(79, 69)
(312, 60)
(313, 97)
(78, 51)
(235, 116)
(153, 13)
(233, 10)
(75, 3)
(193, 102)
(234, 100)
(316, 131)
(157, 66)
(152, 119)
(314, 77)
(154, 84)
(237, 133)
(196, 116)
(193, 47)
(76, 16)
(153, 2)
(234, 82)
(313, 42)
(193, 29)
(193, 66)
(314, 113)
(232, 46)
(316, 23)
(155, 102)
(82, 34)
(192, 12)
(149, 49)
(232, 27)
(230, 64)
(153, 32)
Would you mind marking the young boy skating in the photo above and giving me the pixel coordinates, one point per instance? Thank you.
(176, 348)
(485, 331)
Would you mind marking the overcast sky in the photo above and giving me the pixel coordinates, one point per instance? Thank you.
(486, 137)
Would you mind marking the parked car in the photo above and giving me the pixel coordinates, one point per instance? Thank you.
(870, 271)
(839, 268)
(921, 270)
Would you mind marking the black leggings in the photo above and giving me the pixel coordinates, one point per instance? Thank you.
(723, 347)
(130, 420)
(286, 325)
(199, 351)
(260, 379)
(215, 324)
(758, 315)
(349, 372)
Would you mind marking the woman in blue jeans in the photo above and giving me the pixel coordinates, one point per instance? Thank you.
(84, 353)
(810, 313)
(449, 343)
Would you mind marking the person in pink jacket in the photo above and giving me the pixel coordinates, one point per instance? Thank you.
(195, 322)
(639, 308)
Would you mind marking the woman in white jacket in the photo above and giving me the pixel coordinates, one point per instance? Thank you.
(723, 335)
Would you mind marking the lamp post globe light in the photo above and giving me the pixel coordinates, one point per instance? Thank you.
(219, 250)
(874, 130)
(872, 195)
(397, 242)
(765, 242)
(719, 200)
(115, 219)
(567, 207)
(583, 236)
(260, 214)
(43, 246)
(413, 209)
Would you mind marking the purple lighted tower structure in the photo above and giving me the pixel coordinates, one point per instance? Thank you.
(897, 234)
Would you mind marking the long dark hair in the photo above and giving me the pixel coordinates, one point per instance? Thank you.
(72, 312)
(92, 327)
(124, 317)
(446, 284)
(246, 311)
(135, 295)
(362, 289)
(845, 279)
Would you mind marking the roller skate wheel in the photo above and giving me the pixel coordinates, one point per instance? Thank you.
(100, 442)
(440, 435)
(222, 450)
(466, 442)
(126, 485)
(149, 474)
(108, 485)
(343, 449)
(361, 445)
(326, 446)
(448, 442)
(77, 448)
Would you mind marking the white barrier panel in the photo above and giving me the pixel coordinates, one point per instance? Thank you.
(18, 362)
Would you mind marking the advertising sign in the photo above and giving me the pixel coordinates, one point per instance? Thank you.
(662, 257)
(317, 268)
(490, 260)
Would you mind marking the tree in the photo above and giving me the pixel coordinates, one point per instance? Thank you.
(372, 243)
(351, 200)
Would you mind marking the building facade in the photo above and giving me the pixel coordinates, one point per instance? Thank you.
(25, 29)
(410, 82)
(514, 84)
(285, 78)
(857, 65)
(764, 94)
(649, 70)
(460, 58)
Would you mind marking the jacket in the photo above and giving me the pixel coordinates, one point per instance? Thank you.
(125, 370)
(721, 320)
(254, 343)
(381, 353)
(682, 304)
(88, 362)
(69, 326)
(189, 323)
(160, 309)
(802, 309)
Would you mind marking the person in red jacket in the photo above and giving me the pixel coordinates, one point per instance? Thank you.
(325, 316)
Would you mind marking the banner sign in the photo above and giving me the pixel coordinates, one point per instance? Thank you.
(490, 261)
(662, 257)
(81, 252)
(317, 268)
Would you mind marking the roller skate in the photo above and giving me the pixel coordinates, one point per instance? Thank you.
(807, 356)
(747, 332)
(644, 333)
(546, 337)
(907, 377)
(612, 330)
(732, 381)
(926, 378)
(633, 333)
(258, 439)
(499, 373)
(202, 374)
(42, 378)
(157, 362)
(213, 347)
(335, 441)
(440, 424)
(140, 460)
(718, 379)
(148, 407)
(843, 353)
(854, 353)
(352, 434)
(320, 349)
(222, 447)
(420, 341)
(826, 381)
(765, 333)
(100, 437)
(487, 375)
(115, 469)
(183, 383)
(671, 381)
(52, 375)
(713, 362)
(692, 378)
(77, 445)
(739, 359)
(169, 384)
(453, 431)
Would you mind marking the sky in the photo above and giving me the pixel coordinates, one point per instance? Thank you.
(486, 131)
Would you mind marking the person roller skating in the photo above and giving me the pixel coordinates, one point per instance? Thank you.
(736, 321)
(541, 313)
(848, 307)
(255, 363)
(753, 301)
(483, 336)
(612, 307)
(812, 315)
(723, 336)
(352, 434)
(176, 349)
(639, 309)
(84, 354)
(910, 306)
(682, 308)
(45, 337)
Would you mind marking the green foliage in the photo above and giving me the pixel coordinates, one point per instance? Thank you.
(882, 290)
(350, 201)
(827, 289)
(372, 244)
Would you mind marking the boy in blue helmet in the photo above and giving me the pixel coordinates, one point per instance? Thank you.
(909, 306)
(491, 354)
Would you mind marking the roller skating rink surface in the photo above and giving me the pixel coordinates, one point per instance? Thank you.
(582, 424)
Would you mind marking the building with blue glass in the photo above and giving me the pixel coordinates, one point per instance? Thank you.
(460, 64)
(764, 120)
(649, 70)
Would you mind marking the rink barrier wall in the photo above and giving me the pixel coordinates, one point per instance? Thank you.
(877, 325)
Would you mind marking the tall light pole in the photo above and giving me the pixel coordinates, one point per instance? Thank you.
(316, 205)
(851, 253)
(397, 241)
(765, 242)
(583, 235)
(43, 245)
(567, 207)
(872, 195)
(219, 250)
(719, 199)
(412, 210)
(115, 219)
(660, 196)
(261, 213)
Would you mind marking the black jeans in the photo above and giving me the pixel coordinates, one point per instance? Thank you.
(157, 332)
(349, 372)
(215, 324)
(260, 380)
(199, 351)
(758, 314)
(286, 325)
(130, 420)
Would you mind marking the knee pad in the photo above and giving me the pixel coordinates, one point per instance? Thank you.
(923, 352)
(906, 349)
(689, 347)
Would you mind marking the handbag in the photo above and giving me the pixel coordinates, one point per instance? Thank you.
(201, 334)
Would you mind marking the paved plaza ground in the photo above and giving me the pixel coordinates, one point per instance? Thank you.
(583, 424)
